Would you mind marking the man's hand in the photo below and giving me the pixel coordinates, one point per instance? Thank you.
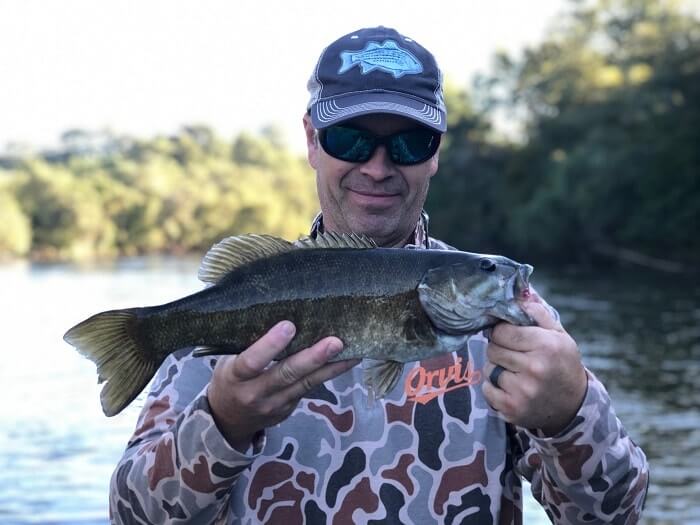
(246, 396)
(544, 381)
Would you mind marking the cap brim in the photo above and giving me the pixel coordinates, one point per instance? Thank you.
(332, 111)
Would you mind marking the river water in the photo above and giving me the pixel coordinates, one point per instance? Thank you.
(639, 332)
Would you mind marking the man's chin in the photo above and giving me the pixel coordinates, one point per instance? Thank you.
(383, 230)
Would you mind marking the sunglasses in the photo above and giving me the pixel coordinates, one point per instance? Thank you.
(405, 148)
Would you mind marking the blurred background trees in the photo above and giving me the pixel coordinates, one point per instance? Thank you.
(610, 161)
(607, 164)
(105, 196)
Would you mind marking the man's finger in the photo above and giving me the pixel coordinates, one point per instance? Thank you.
(496, 398)
(507, 379)
(252, 362)
(542, 315)
(508, 359)
(301, 364)
(319, 376)
(520, 338)
(526, 338)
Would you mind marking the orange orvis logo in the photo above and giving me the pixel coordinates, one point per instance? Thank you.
(424, 385)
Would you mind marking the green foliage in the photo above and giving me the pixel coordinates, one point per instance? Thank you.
(466, 194)
(103, 196)
(611, 159)
(65, 213)
(15, 228)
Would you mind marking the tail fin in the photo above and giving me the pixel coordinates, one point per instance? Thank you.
(108, 340)
(348, 59)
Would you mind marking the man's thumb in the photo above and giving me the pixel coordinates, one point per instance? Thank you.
(542, 315)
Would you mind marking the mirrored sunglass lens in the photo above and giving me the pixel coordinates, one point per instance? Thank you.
(348, 144)
(412, 147)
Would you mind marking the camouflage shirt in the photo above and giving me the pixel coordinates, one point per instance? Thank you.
(431, 452)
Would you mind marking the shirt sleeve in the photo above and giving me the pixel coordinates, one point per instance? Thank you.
(177, 466)
(590, 473)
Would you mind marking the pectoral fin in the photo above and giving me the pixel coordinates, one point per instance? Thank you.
(382, 376)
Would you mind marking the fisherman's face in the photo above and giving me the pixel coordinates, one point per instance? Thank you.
(376, 198)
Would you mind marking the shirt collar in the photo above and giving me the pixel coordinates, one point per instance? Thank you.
(420, 234)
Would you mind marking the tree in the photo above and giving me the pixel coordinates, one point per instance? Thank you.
(167, 194)
(15, 228)
(611, 161)
(465, 198)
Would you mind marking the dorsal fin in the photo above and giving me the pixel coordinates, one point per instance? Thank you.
(336, 240)
(233, 252)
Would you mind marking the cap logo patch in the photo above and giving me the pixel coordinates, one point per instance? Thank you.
(387, 57)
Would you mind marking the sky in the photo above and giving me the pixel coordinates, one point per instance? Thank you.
(149, 67)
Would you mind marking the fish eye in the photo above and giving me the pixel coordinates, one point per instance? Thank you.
(487, 265)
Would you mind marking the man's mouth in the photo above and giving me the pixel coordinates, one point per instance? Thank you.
(370, 193)
(373, 198)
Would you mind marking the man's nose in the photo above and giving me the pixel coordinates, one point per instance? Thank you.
(379, 165)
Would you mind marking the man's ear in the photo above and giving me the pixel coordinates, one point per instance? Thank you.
(312, 145)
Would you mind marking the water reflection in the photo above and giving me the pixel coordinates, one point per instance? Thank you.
(57, 450)
(639, 333)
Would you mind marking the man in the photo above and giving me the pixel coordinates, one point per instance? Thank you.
(245, 439)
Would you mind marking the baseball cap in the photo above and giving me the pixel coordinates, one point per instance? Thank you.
(376, 70)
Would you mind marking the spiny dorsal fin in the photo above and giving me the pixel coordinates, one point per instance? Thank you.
(234, 252)
(337, 240)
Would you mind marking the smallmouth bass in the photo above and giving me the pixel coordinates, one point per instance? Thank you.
(386, 304)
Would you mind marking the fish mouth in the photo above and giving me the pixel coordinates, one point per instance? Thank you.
(518, 286)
